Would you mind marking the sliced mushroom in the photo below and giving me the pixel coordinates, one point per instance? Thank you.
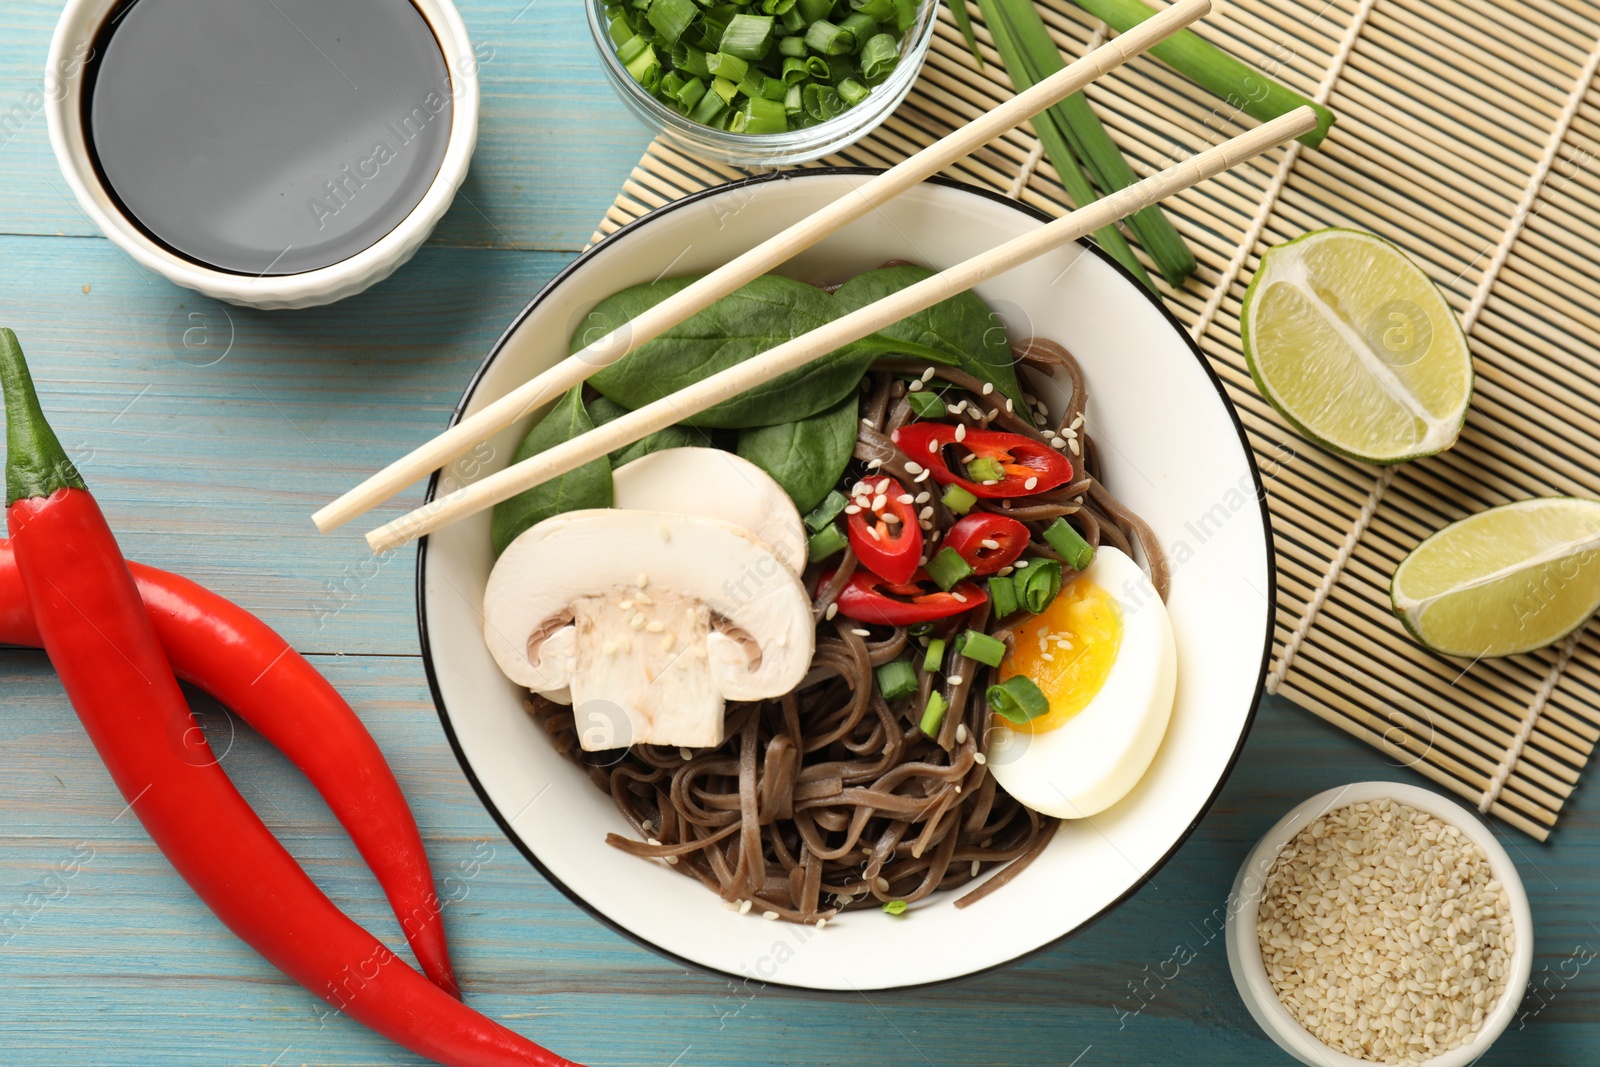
(715, 484)
(670, 615)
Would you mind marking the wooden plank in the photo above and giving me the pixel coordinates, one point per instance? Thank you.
(210, 458)
(554, 142)
(100, 961)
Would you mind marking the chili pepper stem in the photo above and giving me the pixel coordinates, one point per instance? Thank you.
(36, 464)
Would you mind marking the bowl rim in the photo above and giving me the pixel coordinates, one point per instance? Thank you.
(1244, 955)
(69, 143)
(504, 824)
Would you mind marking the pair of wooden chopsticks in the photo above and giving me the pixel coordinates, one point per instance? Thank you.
(800, 350)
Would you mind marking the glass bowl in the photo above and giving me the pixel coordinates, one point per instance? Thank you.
(769, 149)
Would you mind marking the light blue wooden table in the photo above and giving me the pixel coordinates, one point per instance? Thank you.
(212, 470)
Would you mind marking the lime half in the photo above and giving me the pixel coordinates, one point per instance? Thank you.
(1507, 580)
(1352, 342)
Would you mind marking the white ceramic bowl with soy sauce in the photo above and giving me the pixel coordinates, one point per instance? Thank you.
(270, 153)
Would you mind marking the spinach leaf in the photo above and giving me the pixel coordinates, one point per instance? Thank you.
(806, 457)
(589, 486)
(963, 327)
(602, 411)
(761, 315)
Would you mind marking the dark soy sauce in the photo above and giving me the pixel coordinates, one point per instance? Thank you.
(268, 136)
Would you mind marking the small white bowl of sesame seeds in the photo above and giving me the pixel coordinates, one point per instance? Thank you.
(1380, 922)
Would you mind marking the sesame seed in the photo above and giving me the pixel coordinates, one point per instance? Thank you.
(866, 422)
(927, 375)
(933, 446)
(852, 509)
(637, 622)
(976, 866)
(1073, 445)
(672, 861)
(959, 596)
(730, 905)
(1077, 421)
(979, 758)
(1011, 406)
(859, 632)
(959, 408)
(879, 501)
(1047, 657)
(685, 753)
(988, 387)
(821, 923)
(922, 498)
(883, 486)
(991, 481)
(892, 519)
(833, 609)
(645, 599)
(913, 467)
(770, 915)
(906, 498)
(961, 733)
(994, 413)
(652, 841)
(957, 679)
(1058, 442)
(744, 907)
(1019, 564)
(644, 579)
(624, 605)
(874, 464)
(961, 431)
(872, 532)
(926, 524)
(989, 543)
(921, 477)
(1030, 483)
(655, 626)
(882, 884)
(608, 648)
(914, 387)
(668, 641)
(926, 513)
(1004, 572)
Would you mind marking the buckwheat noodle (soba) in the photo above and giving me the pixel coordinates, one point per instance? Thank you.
(828, 799)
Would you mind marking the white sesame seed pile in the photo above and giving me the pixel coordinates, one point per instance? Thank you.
(1384, 932)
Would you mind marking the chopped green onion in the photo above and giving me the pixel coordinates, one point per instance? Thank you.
(690, 93)
(879, 56)
(691, 60)
(726, 65)
(876, 10)
(920, 629)
(927, 405)
(853, 93)
(1038, 587)
(933, 714)
(631, 49)
(933, 659)
(725, 89)
(672, 17)
(710, 108)
(814, 10)
(897, 679)
(830, 40)
(619, 31)
(824, 513)
(859, 26)
(777, 7)
(794, 104)
(794, 70)
(1017, 699)
(1002, 595)
(825, 542)
(979, 646)
(895, 907)
(747, 36)
(905, 14)
(958, 498)
(985, 469)
(791, 21)
(947, 568)
(1077, 552)
(760, 115)
(1211, 68)
(645, 67)
(792, 47)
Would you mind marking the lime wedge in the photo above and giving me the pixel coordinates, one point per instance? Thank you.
(1507, 580)
(1352, 342)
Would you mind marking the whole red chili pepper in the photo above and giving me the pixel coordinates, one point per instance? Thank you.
(972, 535)
(869, 597)
(228, 652)
(1021, 465)
(94, 628)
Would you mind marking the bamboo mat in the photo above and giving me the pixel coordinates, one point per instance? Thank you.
(1467, 132)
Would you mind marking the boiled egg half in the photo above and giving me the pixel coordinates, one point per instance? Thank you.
(1104, 656)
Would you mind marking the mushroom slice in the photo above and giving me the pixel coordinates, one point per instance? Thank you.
(651, 619)
(714, 484)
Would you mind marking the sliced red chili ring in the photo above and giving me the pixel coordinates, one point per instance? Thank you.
(882, 521)
(869, 597)
(987, 541)
(1022, 465)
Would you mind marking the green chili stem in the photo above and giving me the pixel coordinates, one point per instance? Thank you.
(36, 464)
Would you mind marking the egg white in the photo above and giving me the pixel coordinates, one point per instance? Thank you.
(1096, 757)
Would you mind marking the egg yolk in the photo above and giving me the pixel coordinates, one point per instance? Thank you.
(1067, 651)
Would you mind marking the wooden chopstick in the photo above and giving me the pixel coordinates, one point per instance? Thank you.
(759, 260)
(857, 324)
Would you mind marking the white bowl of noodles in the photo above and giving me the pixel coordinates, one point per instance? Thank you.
(1170, 447)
